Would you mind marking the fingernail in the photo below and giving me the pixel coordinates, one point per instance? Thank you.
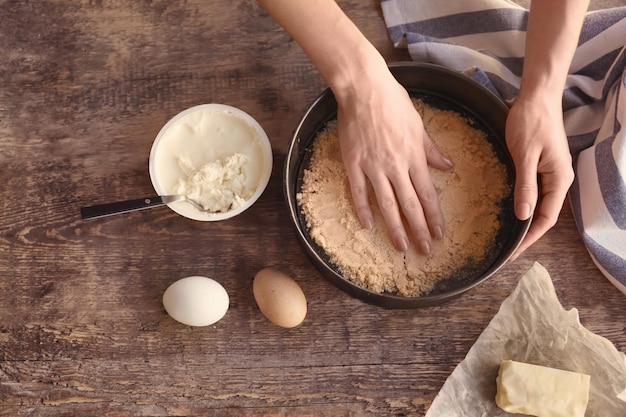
(425, 247)
(368, 223)
(448, 162)
(438, 232)
(403, 244)
(524, 210)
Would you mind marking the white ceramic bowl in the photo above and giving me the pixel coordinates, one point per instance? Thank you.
(202, 134)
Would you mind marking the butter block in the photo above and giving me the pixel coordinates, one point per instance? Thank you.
(541, 391)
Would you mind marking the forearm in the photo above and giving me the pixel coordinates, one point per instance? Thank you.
(551, 40)
(334, 44)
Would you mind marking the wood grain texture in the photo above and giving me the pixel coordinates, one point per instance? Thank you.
(85, 87)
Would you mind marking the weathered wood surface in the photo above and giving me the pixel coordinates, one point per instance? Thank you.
(85, 87)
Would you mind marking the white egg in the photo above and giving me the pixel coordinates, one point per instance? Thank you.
(196, 301)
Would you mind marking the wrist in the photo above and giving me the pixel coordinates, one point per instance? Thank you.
(545, 93)
(365, 68)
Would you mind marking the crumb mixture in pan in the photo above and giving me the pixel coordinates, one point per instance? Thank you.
(469, 194)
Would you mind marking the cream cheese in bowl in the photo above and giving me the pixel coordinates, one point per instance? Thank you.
(216, 155)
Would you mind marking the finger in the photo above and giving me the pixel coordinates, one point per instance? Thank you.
(413, 210)
(388, 205)
(534, 233)
(540, 225)
(525, 195)
(429, 200)
(546, 215)
(434, 157)
(360, 198)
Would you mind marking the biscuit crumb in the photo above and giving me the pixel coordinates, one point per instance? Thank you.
(469, 194)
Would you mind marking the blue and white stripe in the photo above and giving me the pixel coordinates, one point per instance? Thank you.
(485, 39)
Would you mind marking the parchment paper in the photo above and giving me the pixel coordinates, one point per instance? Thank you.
(532, 326)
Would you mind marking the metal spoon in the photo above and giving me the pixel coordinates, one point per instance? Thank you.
(110, 209)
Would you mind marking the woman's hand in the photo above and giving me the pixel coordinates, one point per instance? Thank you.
(381, 134)
(535, 133)
(537, 142)
(383, 141)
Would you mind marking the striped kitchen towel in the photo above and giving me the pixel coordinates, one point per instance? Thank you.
(485, 39)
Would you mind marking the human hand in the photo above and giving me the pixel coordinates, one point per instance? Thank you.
(383, 141)
(536, 139)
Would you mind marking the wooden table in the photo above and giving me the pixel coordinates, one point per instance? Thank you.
(86, 86)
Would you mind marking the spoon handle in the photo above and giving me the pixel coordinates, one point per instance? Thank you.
(109, 209)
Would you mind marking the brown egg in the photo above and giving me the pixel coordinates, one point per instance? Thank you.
(279, 298)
